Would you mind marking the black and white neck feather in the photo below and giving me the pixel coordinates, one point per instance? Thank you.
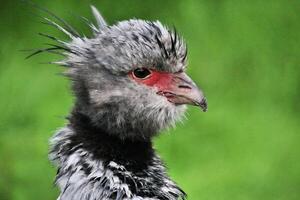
(93, 164)
(105, 150)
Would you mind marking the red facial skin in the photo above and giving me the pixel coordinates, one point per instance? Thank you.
(178, 88)
(160, 80)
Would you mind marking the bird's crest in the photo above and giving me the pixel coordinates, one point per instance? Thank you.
(60, 24)
(99, 19)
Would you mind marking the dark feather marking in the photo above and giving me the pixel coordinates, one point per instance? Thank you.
(185, 54)
(49, 50)
(150, 47)
(64, 49)
(162, 46)
(150, 31)
(173, 50)
(146, 38)
(51, 37)
(156, 28)
(67, 185)
(174, 41)
(134, 156)
(66, 26)
(135, 37)
(59, 47)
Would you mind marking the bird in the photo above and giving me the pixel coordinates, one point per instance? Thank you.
(129, 81)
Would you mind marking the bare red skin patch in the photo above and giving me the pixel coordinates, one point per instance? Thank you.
(178, 88)
(160, 80)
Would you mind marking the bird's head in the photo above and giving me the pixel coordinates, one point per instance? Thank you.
(130, 77)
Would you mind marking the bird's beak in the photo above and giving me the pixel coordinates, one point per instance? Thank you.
(182, 90)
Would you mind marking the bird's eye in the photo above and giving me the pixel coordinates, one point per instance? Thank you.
(141, 73)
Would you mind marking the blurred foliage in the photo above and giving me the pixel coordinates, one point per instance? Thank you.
(245, 56)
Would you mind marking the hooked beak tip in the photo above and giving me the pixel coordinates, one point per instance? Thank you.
(203, 105)
(183, 90)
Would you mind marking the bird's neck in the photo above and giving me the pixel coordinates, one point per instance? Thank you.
(104, 146)
(93, 164)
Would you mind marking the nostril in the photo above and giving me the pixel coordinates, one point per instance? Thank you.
(184, 86)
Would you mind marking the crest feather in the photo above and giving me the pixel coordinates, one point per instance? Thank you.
(99, 19)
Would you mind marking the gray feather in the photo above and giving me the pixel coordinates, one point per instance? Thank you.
(115, 106)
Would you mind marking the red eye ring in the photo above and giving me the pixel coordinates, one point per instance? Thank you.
(141, 73)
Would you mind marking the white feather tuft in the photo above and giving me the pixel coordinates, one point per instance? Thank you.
(99, 19)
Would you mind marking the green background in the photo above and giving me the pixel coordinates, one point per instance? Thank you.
(245, 56)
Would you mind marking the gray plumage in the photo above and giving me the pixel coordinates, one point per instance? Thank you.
(105, 151)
